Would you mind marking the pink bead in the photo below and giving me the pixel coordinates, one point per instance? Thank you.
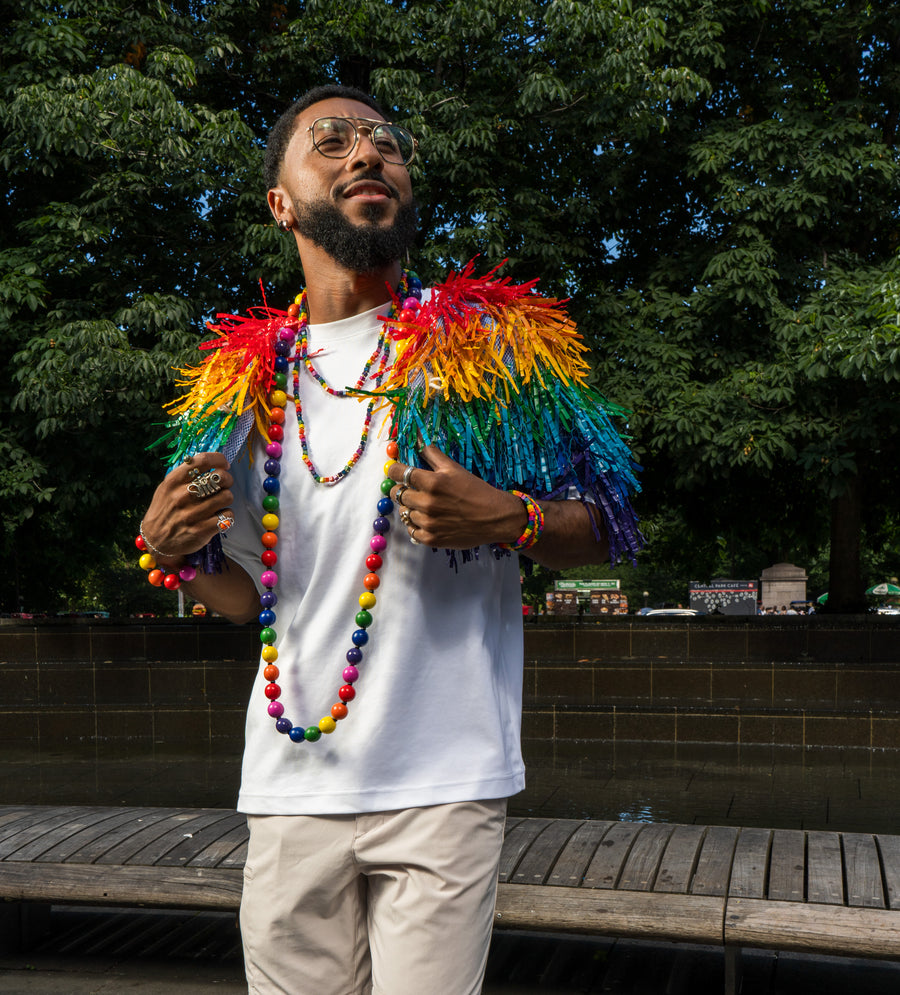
(268, 578)
(276, 709)
(187, 573)
(411, 302)
(350, 674)
(274, 450)
(287, 334)
(378, 543)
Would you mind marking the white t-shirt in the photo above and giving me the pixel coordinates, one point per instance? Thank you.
(437, 712)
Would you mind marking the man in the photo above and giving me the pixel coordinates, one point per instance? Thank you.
(375, 831)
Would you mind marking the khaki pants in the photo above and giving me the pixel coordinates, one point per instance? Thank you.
(385, 903)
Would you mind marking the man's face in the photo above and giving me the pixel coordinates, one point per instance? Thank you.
(359, 209)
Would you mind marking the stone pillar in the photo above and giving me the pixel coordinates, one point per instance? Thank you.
(783, 583)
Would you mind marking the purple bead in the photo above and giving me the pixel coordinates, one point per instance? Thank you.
(187, 573)
(287, 334)
(276, 709)
(275, 450)
(381, 525)
(284, 725)
(351, 674)
(354, 655)
(268, 578)
(273, 467)
(268, 599)
(282, 348)
(378, 543)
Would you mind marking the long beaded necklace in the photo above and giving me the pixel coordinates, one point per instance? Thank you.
(409, 294)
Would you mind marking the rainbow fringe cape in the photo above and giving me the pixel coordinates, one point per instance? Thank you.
(490, 372)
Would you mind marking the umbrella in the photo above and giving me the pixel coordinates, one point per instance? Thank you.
(884, 588)
(822, 598)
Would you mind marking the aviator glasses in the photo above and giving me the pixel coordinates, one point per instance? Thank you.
(337, 137)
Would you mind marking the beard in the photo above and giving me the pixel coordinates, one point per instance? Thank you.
(363, 248)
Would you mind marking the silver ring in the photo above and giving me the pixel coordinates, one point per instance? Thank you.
(224, 522)
(207, 485)
(412, 536)
(407, 474)
(404, 516)
(401, 490)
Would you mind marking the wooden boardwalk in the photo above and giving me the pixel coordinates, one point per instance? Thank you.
(827, 892)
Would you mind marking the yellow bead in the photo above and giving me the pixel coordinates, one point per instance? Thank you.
(366, 599)
(327, 724)
(269, 654)
(147, 562)
(388, 465)
(298, 299)
(278, 399)
(270, 522)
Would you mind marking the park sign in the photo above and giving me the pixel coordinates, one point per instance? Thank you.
(587, 585)
(724, 597)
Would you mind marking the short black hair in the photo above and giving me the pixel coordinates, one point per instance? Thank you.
(283, 129)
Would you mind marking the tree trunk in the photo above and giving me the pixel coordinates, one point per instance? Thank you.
(846, 594)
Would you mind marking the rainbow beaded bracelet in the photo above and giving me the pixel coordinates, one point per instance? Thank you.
(533, 529)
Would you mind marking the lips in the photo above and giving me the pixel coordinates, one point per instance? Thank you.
(367, 189)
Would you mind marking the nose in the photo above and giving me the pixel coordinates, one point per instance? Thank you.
(365, 155)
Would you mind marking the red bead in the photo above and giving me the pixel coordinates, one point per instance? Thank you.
(139, 542)
(271, 672)
(347, 692)
(407, 314)
(172, 582)
(371, 581)
(269, 539)
(273, 691)
(338, 711)
(269, 557)
(373, 561)
(276, 416)
(392, 449)
(276, 432)
(156, 577)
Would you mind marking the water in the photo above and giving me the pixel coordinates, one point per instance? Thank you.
(847, 790)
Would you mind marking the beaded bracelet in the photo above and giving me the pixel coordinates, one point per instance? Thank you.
(533, 529)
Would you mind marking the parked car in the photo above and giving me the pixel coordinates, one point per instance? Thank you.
(671, 611)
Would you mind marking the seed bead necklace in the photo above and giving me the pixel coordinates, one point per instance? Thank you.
(409, 294)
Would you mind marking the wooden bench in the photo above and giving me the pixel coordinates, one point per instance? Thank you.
(814, 892)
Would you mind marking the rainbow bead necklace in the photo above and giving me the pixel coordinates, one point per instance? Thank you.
(409, 294)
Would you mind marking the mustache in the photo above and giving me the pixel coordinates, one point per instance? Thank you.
(374, 177)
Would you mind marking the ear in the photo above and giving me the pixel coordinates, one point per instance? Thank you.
(280, 206)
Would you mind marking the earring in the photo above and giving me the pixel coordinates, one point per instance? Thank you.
(285, 226)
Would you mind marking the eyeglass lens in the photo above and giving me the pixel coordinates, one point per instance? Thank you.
(335, 137)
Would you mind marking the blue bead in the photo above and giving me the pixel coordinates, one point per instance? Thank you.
(267, 617)
(273, 467)
(281, 364)
(354, 654)
(385, 506)
(268, 599)
(297, 734)
(272, 485)
(282, 348)
(284, 725)
(360, 637)
(381, 525)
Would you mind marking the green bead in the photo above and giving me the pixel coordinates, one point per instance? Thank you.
(363, 619)
(281, 380)
(386, 485)
(271, 502)
(312, 734)
(267, 635)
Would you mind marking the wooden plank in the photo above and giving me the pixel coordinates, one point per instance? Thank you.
(537, 863)
(10, 814)
(812, 928)
(89, 819)
(44, 819)
(642, 864)
(679, 862)
(147, 833)
(191, 846)
(889, 848)
(112, 819)
(516, 842)
(714, 863)
(638, 914)
(164, 887)
(862, 868)
(787, 866)
(606, 865)
(216, 852)
(569, 869)
(824, 869)
(237, 858)
(124, 829)
(748, 868)
(187, 835)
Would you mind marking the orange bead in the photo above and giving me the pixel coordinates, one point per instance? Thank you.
(156, 577)
(269, 540)
(276, 415)
(294, 310)
(371, 581)
(271, 673)
(392, 449)
(339, 711)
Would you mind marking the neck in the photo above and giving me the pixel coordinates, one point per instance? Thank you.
(333, 292)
